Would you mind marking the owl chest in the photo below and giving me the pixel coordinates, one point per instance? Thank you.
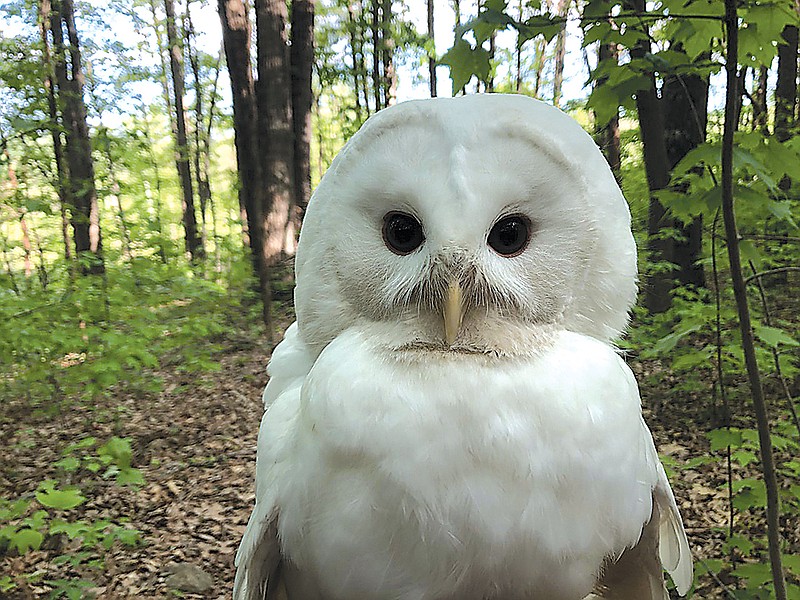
(430, 480)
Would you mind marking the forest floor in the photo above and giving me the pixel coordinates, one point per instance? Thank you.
(194, 443)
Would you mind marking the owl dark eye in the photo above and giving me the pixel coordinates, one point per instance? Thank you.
(510, 235)
(402, 233)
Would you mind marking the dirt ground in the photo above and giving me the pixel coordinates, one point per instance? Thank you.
(195, 445)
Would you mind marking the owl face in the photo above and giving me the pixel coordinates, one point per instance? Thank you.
(467, 224)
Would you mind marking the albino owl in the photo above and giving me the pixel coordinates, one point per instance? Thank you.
(448, 419)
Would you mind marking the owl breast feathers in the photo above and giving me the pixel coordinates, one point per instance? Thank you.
(448, 418)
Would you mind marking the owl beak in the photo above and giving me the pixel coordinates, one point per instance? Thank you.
(453, 312)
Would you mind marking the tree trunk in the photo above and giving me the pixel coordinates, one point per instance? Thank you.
(388, 47)
(492, 52)
(457, 17)
(760, 112)
(203, 188)
(236, 35)
(685, 102)
(355, 52)
(164, 71)
(83, 194)
(193, 244)
(518, 52)
(62, 180)
(116, 191)
(274, 106)
(561, 52)
(541, 56)
(786, 88)
(732, 102)
(608, 133)
(651, 125)
(376, 54)
(432, 53)
(302, 60)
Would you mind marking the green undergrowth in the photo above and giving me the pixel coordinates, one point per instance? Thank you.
(79, 344)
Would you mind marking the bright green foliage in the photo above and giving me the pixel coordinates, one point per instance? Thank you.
(466, 61)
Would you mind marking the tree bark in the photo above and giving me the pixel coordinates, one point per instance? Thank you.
(561, 52)
(302, 60)
(203, 187)
(376, 54)
(651, 126)
(193, 244)
(236, 35)
(608, 133)
(732, 100)
(685, 102)
(62, 179)
(786, 88)
(432, 53)
(518, 51)
(541, 56)
(85, 210)
(388, 47)
(274, 106)
(164, 76)
(760, 112)
(356, 54)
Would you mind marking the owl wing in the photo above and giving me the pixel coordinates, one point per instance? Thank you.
(258, 561)
(637, 573)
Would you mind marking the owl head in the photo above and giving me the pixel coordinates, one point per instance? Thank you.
(470, 223)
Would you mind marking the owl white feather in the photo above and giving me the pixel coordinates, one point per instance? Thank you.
(448, 418)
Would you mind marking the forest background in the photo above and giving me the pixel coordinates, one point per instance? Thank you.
(152, 186)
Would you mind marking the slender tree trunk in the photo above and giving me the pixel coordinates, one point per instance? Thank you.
(685, 102)
(732, 99)
(492, 52)
(302, 60)
(457, 16)
(760, 112)
(320, 141)
(116, 190)
(518, 51)
(205, 185)
(651, 125)
(388, 48)
(608, 133)
(540, 56)
(203, 190)
(362, 60)
(83, 194)
(786, 88)
(432, 53)
(154, 202)
(26, 244)
(62, 180)
(194, 245)
(236, 35)
(352, 31)
(164, 70)
(561, 52)
(375, 28)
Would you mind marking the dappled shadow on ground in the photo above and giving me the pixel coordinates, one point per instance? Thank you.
(194, 443)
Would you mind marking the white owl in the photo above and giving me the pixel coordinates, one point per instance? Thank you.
(448, 419)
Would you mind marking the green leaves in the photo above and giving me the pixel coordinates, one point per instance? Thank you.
(465, 61)
(761, 32)
(774, 337)
(25, 539)
(60, 499)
